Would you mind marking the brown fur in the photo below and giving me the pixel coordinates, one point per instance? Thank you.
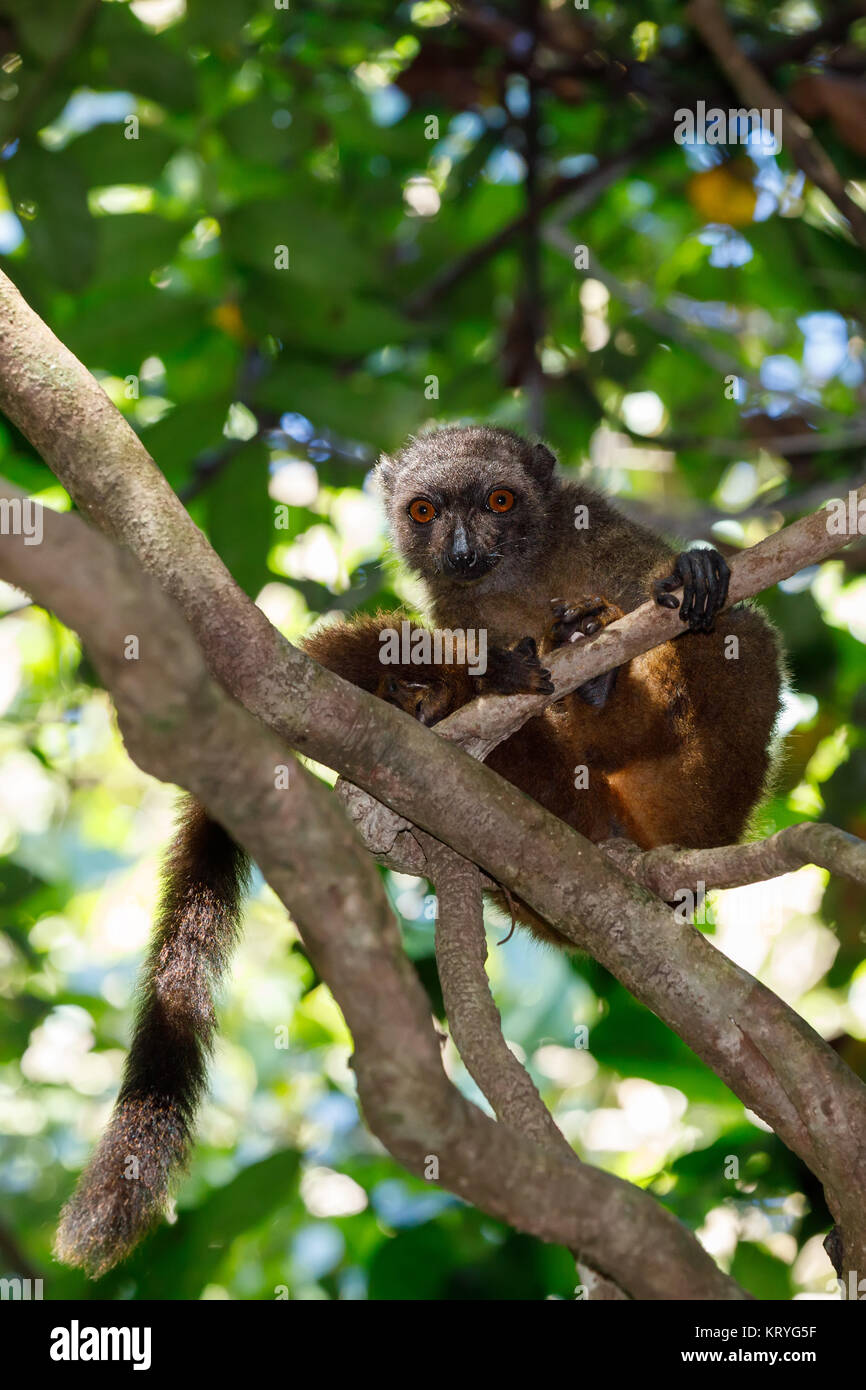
(123, 1189)
(679, 753)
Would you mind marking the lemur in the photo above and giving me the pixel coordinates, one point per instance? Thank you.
(676, 744)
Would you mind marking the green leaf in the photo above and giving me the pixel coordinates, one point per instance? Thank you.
(125, 56)
(61, 233)
(178, 1261)
(761, 1273)
(105, 155)
(185, 432)
(240, 517)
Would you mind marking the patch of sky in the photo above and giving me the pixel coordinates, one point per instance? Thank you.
(297, 427)
(505, 166)
(398, 1206)
(11, 233)
(86, 109)
(825, 345)
(388, 105)
(317, 1249)
(728, 247)
(574, 164)
(517, 97)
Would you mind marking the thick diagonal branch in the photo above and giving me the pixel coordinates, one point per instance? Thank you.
(180, 726)
(569, 881)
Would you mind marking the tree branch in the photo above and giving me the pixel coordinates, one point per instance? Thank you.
(178, 725)
(669, 870)
(804, 1091)
(461, 950)
(583, 188)
(475, 1025)
(484, 723)
(642, 303)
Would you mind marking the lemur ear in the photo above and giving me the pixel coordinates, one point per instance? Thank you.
(541, 463)
(385, 473)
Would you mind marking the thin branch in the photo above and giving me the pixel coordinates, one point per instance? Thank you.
(641, 303)
(586, 187)
(476, 1028)
(461, 950)
(797, 47)
(532, 290)
(666, 871)
(781, 444)
(708, 17)
(484, 723)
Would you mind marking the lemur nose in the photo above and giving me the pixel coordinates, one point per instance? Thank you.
(461, 556)
(463, 563)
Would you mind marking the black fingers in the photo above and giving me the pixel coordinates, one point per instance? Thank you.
(696, 588)
(704, 576)
(527, 647)
(571, 621)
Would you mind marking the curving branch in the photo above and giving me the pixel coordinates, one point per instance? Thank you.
(180, 726)
(475, 1025)
(769, 1057)
(461, 950)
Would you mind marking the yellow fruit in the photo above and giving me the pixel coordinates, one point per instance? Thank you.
(724, 194)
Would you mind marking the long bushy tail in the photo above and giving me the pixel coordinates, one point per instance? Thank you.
(124, 1187)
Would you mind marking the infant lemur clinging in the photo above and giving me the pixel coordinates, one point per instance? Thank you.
(676, 744)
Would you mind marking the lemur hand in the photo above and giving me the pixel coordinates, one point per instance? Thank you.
(571, 622)
(430, 695)
(704, 576)
(515, 671)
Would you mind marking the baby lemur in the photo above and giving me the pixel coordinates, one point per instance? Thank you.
(675, 745)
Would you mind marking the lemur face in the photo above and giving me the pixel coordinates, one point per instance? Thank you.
(463, 502)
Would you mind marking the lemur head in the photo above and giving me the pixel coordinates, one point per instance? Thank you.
(465, 502)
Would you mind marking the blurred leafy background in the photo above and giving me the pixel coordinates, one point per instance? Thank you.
(155, 156)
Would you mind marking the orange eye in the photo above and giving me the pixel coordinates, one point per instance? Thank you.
(500, 500)
(421, 510)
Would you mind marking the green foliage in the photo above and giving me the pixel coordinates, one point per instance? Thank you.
(152, 174)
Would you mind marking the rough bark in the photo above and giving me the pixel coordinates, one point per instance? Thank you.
(179, 725)
(768, 1056)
